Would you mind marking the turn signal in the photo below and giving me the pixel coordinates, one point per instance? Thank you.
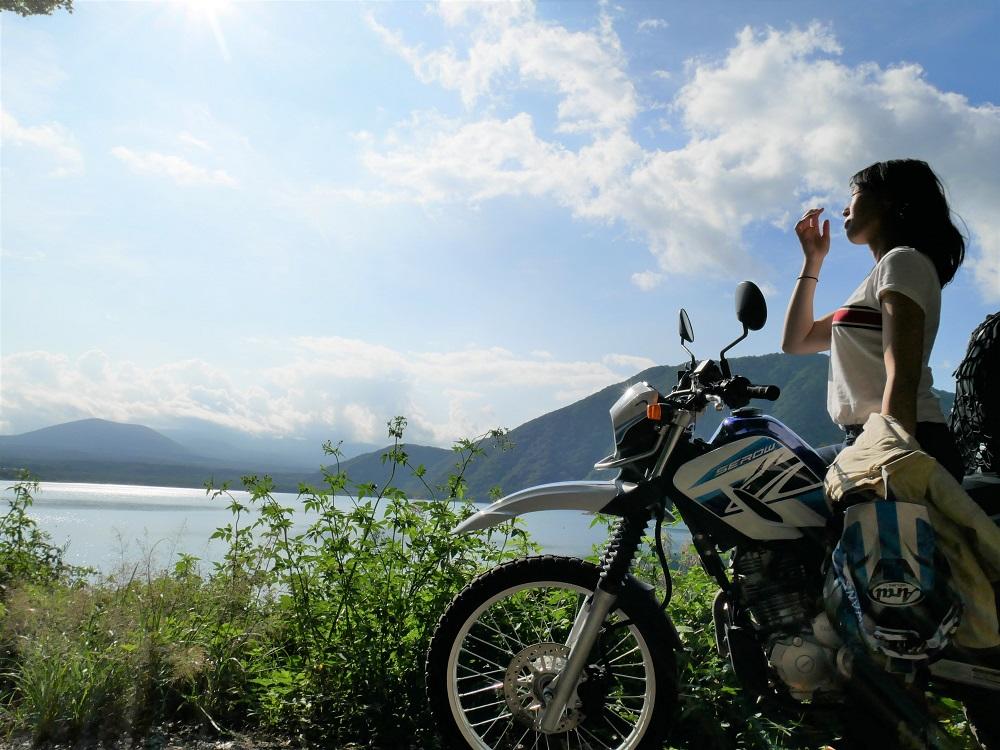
(654, 412)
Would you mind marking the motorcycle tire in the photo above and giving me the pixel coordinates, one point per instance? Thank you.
(501, 641)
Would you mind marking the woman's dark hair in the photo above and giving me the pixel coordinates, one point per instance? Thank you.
(916, 211)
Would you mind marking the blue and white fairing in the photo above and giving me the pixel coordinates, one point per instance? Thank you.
(760, 478)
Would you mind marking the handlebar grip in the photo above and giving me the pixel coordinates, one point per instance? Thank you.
(766, 392)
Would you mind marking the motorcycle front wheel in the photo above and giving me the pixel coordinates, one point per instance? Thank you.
(501, 642)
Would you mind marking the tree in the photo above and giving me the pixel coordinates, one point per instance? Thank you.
(36, 7)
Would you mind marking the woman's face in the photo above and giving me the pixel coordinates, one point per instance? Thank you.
(862, 217)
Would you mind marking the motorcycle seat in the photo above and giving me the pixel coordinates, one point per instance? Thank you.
(984, 489)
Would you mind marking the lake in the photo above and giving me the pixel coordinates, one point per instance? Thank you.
(106, 525)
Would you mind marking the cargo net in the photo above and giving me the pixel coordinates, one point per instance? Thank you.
(975, 417)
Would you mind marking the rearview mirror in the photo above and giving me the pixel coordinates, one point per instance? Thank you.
(686, 331)
(751, 309)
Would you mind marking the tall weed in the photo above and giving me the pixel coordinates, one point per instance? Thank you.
(319, 634)
(27, 552)
(359, 593)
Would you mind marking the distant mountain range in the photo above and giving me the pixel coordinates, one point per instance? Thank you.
(97, 450)
(564, 444)
(560, 445)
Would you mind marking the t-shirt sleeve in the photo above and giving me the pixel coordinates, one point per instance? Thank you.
(910, 273)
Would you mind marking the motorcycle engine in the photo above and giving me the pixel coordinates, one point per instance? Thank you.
(777, 587)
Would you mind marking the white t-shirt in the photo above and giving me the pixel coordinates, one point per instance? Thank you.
(857, 365)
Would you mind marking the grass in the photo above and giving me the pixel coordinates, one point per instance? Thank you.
(318, 636)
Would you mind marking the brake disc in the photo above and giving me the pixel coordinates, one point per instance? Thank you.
(527, 676)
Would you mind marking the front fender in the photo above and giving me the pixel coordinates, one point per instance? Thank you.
(587, 497)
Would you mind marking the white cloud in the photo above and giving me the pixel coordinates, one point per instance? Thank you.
(52, 138)
(647, 280)
(587, 69)
(454, 161)
(629, 362)
(364, 423)
(778, 121)
(343, 388)
(31, 256)
(651, 24)
(180, 170)
(190, 140)
(761, 145)
(498, 14)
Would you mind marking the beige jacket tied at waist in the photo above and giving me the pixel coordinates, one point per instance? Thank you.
(969, 539)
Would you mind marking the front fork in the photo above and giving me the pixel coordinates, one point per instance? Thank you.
(586, 629)
(589, 622)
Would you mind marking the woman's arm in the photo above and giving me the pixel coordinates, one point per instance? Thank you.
(903, 349)
(802, 333)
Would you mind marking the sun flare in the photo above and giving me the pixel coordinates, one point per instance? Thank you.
(199, 14)
(204, 10)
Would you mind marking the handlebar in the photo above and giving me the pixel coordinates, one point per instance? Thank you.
(766, 392)
(733, 392)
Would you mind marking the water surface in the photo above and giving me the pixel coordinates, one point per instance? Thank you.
(108, 525)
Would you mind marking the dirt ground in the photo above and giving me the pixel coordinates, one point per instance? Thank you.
(168, 738)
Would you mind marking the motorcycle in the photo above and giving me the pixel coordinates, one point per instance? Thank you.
(556, 652)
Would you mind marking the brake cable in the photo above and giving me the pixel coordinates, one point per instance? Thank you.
(668, 584)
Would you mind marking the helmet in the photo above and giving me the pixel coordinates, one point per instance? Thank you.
(975, 417)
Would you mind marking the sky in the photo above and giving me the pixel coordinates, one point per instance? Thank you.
(299, 219)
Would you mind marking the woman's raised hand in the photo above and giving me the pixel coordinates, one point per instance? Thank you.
(804, 334)
(815, 240)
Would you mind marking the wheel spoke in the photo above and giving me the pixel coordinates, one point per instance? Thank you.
(522, 736)
(488, 644)
(494, 687)
(595, 738)
(491, 722)
(633, 650)
(475, 673)
(629, 677)
(483, 658)
(481, 706)
(510, 644)
(505, 729)
(627, 664)
(581, 741)
(611, 710)
(624, 638)
(504, 636)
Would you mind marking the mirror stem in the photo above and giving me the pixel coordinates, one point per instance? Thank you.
(694, 361)
(723, 363)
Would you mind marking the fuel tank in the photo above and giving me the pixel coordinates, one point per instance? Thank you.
(758, 478)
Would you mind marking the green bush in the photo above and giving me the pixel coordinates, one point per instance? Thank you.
(26, 552)
(317, 634)
(358, 595)
(320, 633)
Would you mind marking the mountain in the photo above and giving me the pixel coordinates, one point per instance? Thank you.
(564, 444)
(97, 450)
(95, 439)
(229, 446)
(561, 445)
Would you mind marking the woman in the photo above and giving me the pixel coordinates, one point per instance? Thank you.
(880, 340)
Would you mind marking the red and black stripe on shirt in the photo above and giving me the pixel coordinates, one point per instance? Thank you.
(858, 316)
